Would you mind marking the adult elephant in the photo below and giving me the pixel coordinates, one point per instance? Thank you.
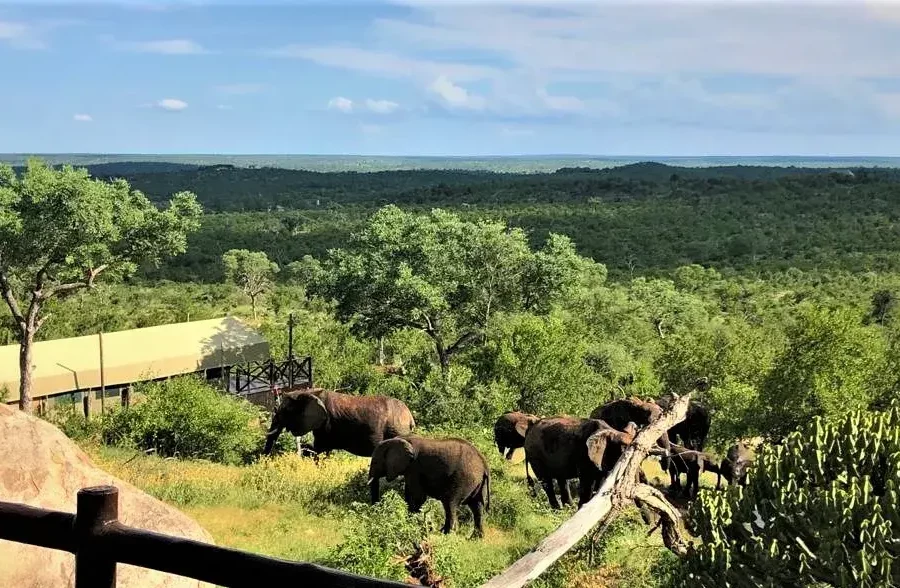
(510, 430)
(451, 470)
(618, 413)
(340, 421)
(557, 449)
(693, 430)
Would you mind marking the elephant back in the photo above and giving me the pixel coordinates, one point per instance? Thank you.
(450, 465)
(617, 413)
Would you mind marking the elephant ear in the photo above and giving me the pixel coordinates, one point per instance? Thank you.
(522, 426)
(312, 414)
(596, 447)
(397, 454)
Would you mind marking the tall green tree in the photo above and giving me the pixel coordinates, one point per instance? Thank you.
(830, 364)
(442, 275)
(61, 231)
(251, 271)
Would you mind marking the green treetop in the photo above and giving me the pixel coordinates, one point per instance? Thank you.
(442, 275)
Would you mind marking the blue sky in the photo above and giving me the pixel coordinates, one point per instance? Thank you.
(416, 77)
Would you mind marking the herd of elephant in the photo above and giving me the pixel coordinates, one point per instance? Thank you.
(454, 471)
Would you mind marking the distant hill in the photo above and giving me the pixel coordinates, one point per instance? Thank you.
(511, 164)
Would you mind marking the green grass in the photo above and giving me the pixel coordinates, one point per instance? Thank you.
(290, 508)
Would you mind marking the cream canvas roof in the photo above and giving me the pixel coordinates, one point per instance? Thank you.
(65, 365)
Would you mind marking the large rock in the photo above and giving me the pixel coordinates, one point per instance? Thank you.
(40, 466)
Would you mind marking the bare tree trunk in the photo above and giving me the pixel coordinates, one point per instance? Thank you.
(381, 351)
(26, 345)
(253, 306)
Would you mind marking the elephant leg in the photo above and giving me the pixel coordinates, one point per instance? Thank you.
(564, 496)
(475, 507)
(500, 447)
(693, 483)
(551, 495)
(449, 516)
(509, 454)
(674, 479)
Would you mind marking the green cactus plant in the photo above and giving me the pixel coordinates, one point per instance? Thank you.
(822, 509)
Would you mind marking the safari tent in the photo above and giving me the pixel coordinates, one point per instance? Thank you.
(66, 366)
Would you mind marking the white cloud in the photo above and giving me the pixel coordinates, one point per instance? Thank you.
(340, 103)
(517, 131)
(381, 106)
(798, 66)
(20, 35)
(83, 118)
(727, 37)
(455, 96)
(172, 104)
(384, 63)
(240, 89)
(889, 103)
(167, 47)
(561, 103)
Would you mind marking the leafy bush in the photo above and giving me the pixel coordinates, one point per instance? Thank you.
(376, 535)
(188, 418)
(822, 509)
(73, 424)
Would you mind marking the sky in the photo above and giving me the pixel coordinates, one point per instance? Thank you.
(418, 77)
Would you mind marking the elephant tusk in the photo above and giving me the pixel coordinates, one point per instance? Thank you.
(369, 481)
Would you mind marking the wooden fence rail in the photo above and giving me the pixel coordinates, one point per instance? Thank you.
(99, 541)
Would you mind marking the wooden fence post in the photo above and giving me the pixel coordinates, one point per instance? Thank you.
(98, 507)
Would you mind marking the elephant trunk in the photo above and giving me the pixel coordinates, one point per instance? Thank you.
(274, 431)
(374, 482)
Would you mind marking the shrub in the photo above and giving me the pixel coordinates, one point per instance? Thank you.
(188, 418)
(823, 508)
(378, 536)
(73, 424)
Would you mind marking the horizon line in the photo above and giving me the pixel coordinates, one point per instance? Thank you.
(420, 156)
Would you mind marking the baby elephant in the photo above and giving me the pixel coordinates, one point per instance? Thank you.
(735, 464)
(451, 470)
(691, 462)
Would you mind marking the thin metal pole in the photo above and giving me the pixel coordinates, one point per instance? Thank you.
(290, 336)
(98, 507)
(102, 378)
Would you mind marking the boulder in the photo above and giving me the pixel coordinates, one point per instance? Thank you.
(41, 467)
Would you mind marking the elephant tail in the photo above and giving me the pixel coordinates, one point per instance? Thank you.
(486, 485)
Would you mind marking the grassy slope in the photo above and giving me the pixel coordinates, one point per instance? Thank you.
(290, 508)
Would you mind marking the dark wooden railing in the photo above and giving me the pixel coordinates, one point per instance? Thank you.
(294, 372)
(99, 541)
